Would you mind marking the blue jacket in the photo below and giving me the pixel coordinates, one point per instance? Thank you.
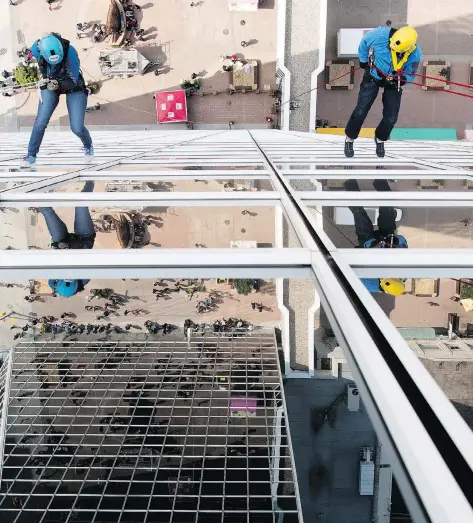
(378, 39)
(372, 284)
(72, 63)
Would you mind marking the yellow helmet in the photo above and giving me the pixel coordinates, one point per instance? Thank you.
(393, 286)
(403, 40)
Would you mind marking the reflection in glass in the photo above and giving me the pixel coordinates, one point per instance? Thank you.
(174, 185)
(422, 227)
(120, 226)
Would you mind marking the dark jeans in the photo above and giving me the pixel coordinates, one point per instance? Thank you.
(76, 105)
(369, 89)
(83, 224)
(363, 224)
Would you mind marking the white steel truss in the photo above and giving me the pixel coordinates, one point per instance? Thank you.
(428, 442)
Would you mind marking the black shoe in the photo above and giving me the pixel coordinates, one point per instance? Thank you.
(349, 152)
(379, 148)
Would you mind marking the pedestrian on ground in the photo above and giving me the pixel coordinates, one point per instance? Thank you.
(388, 56)
(126, 313)
(58, 60)
(253, 305)
(260, 307)
(385, 237)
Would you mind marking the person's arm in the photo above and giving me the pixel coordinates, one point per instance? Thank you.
(34, 50)
(364, 47)
(73, 64)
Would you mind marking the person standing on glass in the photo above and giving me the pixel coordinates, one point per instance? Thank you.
(83, 237)
(389, 57)
(59, 66)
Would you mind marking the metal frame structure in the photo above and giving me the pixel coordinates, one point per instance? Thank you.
(428, 443)
(104, 432)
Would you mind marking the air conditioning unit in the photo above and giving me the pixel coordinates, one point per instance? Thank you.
(353, 400)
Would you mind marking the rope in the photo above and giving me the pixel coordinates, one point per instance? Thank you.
(443, 90)
(323, 84)
(432, 78)
(438, 79)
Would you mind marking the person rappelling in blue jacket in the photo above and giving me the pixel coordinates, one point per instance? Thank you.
(59, 66)
(383, 238)
(388, 56)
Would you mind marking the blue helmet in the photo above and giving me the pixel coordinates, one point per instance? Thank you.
(51, 49)
(66, 288)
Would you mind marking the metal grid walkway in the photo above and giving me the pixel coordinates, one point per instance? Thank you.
(153, 431)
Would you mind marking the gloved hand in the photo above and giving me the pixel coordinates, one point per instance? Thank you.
(364, 65)
(402, 82)
(42, 83)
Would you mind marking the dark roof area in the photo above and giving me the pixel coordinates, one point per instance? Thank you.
(455, 378)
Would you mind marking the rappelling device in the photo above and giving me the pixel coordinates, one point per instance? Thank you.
(371, 57)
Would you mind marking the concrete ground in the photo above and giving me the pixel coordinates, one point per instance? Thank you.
(182, 38)
(139, 295)
(444, 34)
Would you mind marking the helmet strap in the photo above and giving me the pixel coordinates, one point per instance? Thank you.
(399, 64)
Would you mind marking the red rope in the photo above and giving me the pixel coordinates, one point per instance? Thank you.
(443, 90)
(323, 84)
(438, 79)
(433, 78)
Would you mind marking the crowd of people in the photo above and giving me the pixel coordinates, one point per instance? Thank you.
(223, 325)
(113, 305)
(54, 326)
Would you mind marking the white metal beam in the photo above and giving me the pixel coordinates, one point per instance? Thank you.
(388, 198)
(156, 263)
(408, 263)
(194, 199)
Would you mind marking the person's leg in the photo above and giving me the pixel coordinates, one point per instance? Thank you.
(367, 95)
(363, 225)
(56, 227)
(83, 224)
(46, 107)
(76, 105)
(391, 105)
(386, 215)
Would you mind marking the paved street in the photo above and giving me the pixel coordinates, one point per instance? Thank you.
(182, 38)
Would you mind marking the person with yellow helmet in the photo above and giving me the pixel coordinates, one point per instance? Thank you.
(383, 238)
(388, 56)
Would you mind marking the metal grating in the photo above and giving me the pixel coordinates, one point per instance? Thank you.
(155, 431)
(5, 372)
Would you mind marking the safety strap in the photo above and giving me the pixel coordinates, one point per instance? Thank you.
(398, 65)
